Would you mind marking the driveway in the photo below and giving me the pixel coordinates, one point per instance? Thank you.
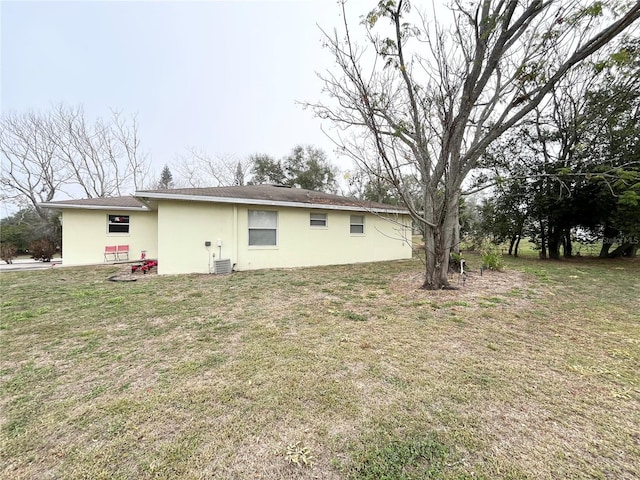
(28, 264)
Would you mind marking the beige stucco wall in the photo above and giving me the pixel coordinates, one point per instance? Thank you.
(85, 234)
(299, 244)
(184, 227)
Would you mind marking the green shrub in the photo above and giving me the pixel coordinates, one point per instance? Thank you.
(491, 259)
(454, 261)
(42, 250)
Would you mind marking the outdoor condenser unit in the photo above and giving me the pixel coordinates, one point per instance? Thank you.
(222, 266)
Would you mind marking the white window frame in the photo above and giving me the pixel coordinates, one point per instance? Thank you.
(353, 223)
(110, 223)
(250, 228)
(320, 217)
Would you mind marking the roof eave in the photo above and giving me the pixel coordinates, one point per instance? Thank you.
(62, 206)
(270, 203)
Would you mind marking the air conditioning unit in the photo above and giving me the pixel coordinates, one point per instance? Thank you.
(222, 266)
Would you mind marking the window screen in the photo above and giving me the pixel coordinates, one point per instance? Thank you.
(118, 224)
(318, 219)
(357, 224)
(263, 227)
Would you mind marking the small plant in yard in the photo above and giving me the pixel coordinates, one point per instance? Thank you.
(403, 459)
(454, 261)
(355, 316)
(491, 258)
(298, 454)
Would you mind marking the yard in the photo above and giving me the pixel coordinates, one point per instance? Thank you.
(530, 373)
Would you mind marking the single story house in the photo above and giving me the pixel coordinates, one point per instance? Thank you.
(189, 230)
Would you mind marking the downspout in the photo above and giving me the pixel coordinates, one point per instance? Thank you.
(234, 247)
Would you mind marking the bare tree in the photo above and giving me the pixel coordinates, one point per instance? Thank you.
(44, 154)
(199, 169)
(31, 170)
(136, 162)
(103, 157)
(426, 98)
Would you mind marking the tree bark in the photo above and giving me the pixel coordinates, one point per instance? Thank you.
(622, 251)
(543, 241)
(626, 249)
(554, 237)
(554, 248)
(607, 242)
(456, 233)
(439, 238)
(604, 251)
(567, 247)
(512, 243)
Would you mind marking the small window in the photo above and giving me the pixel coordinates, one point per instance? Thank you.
(118, 224)
(318, 219)
(263, 228)
(357, 224)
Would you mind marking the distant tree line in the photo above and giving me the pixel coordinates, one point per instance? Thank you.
(305, 167)
(572, 171)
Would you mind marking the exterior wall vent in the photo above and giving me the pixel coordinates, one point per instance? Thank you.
(222, 266)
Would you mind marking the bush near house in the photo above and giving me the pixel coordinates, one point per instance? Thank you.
(8, 252)
(42, 250)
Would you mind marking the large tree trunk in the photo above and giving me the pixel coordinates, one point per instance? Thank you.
(604, 251)
(554, 240)
(434, 256)
(512, 243)
(439, 239)
(456, 233)
(624, 250)
(609, 235)
(543, 240)
(567, 247)
(518, 237)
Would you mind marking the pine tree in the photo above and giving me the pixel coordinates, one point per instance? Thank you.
(166, 179)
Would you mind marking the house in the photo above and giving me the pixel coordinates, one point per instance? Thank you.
(257, 226)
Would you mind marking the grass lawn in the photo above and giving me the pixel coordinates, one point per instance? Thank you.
(530, 373)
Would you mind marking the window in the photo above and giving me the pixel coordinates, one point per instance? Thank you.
(263, 227)
(357, 224)
(118, 224)
(318, 219)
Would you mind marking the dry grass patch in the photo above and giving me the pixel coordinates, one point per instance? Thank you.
(530, 373)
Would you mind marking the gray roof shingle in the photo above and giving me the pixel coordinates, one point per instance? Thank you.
(244, 194)
(269, 193)
(128, 202)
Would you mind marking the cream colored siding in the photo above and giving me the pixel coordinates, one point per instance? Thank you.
(300, 244)
(183, 229)
(176, 233)
(85, 234)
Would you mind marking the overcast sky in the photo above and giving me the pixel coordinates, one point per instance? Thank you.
(219, 76)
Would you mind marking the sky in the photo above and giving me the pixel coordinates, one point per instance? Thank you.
(220, 76)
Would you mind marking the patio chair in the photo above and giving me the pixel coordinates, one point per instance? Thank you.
(122, 252)
(110, 250)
